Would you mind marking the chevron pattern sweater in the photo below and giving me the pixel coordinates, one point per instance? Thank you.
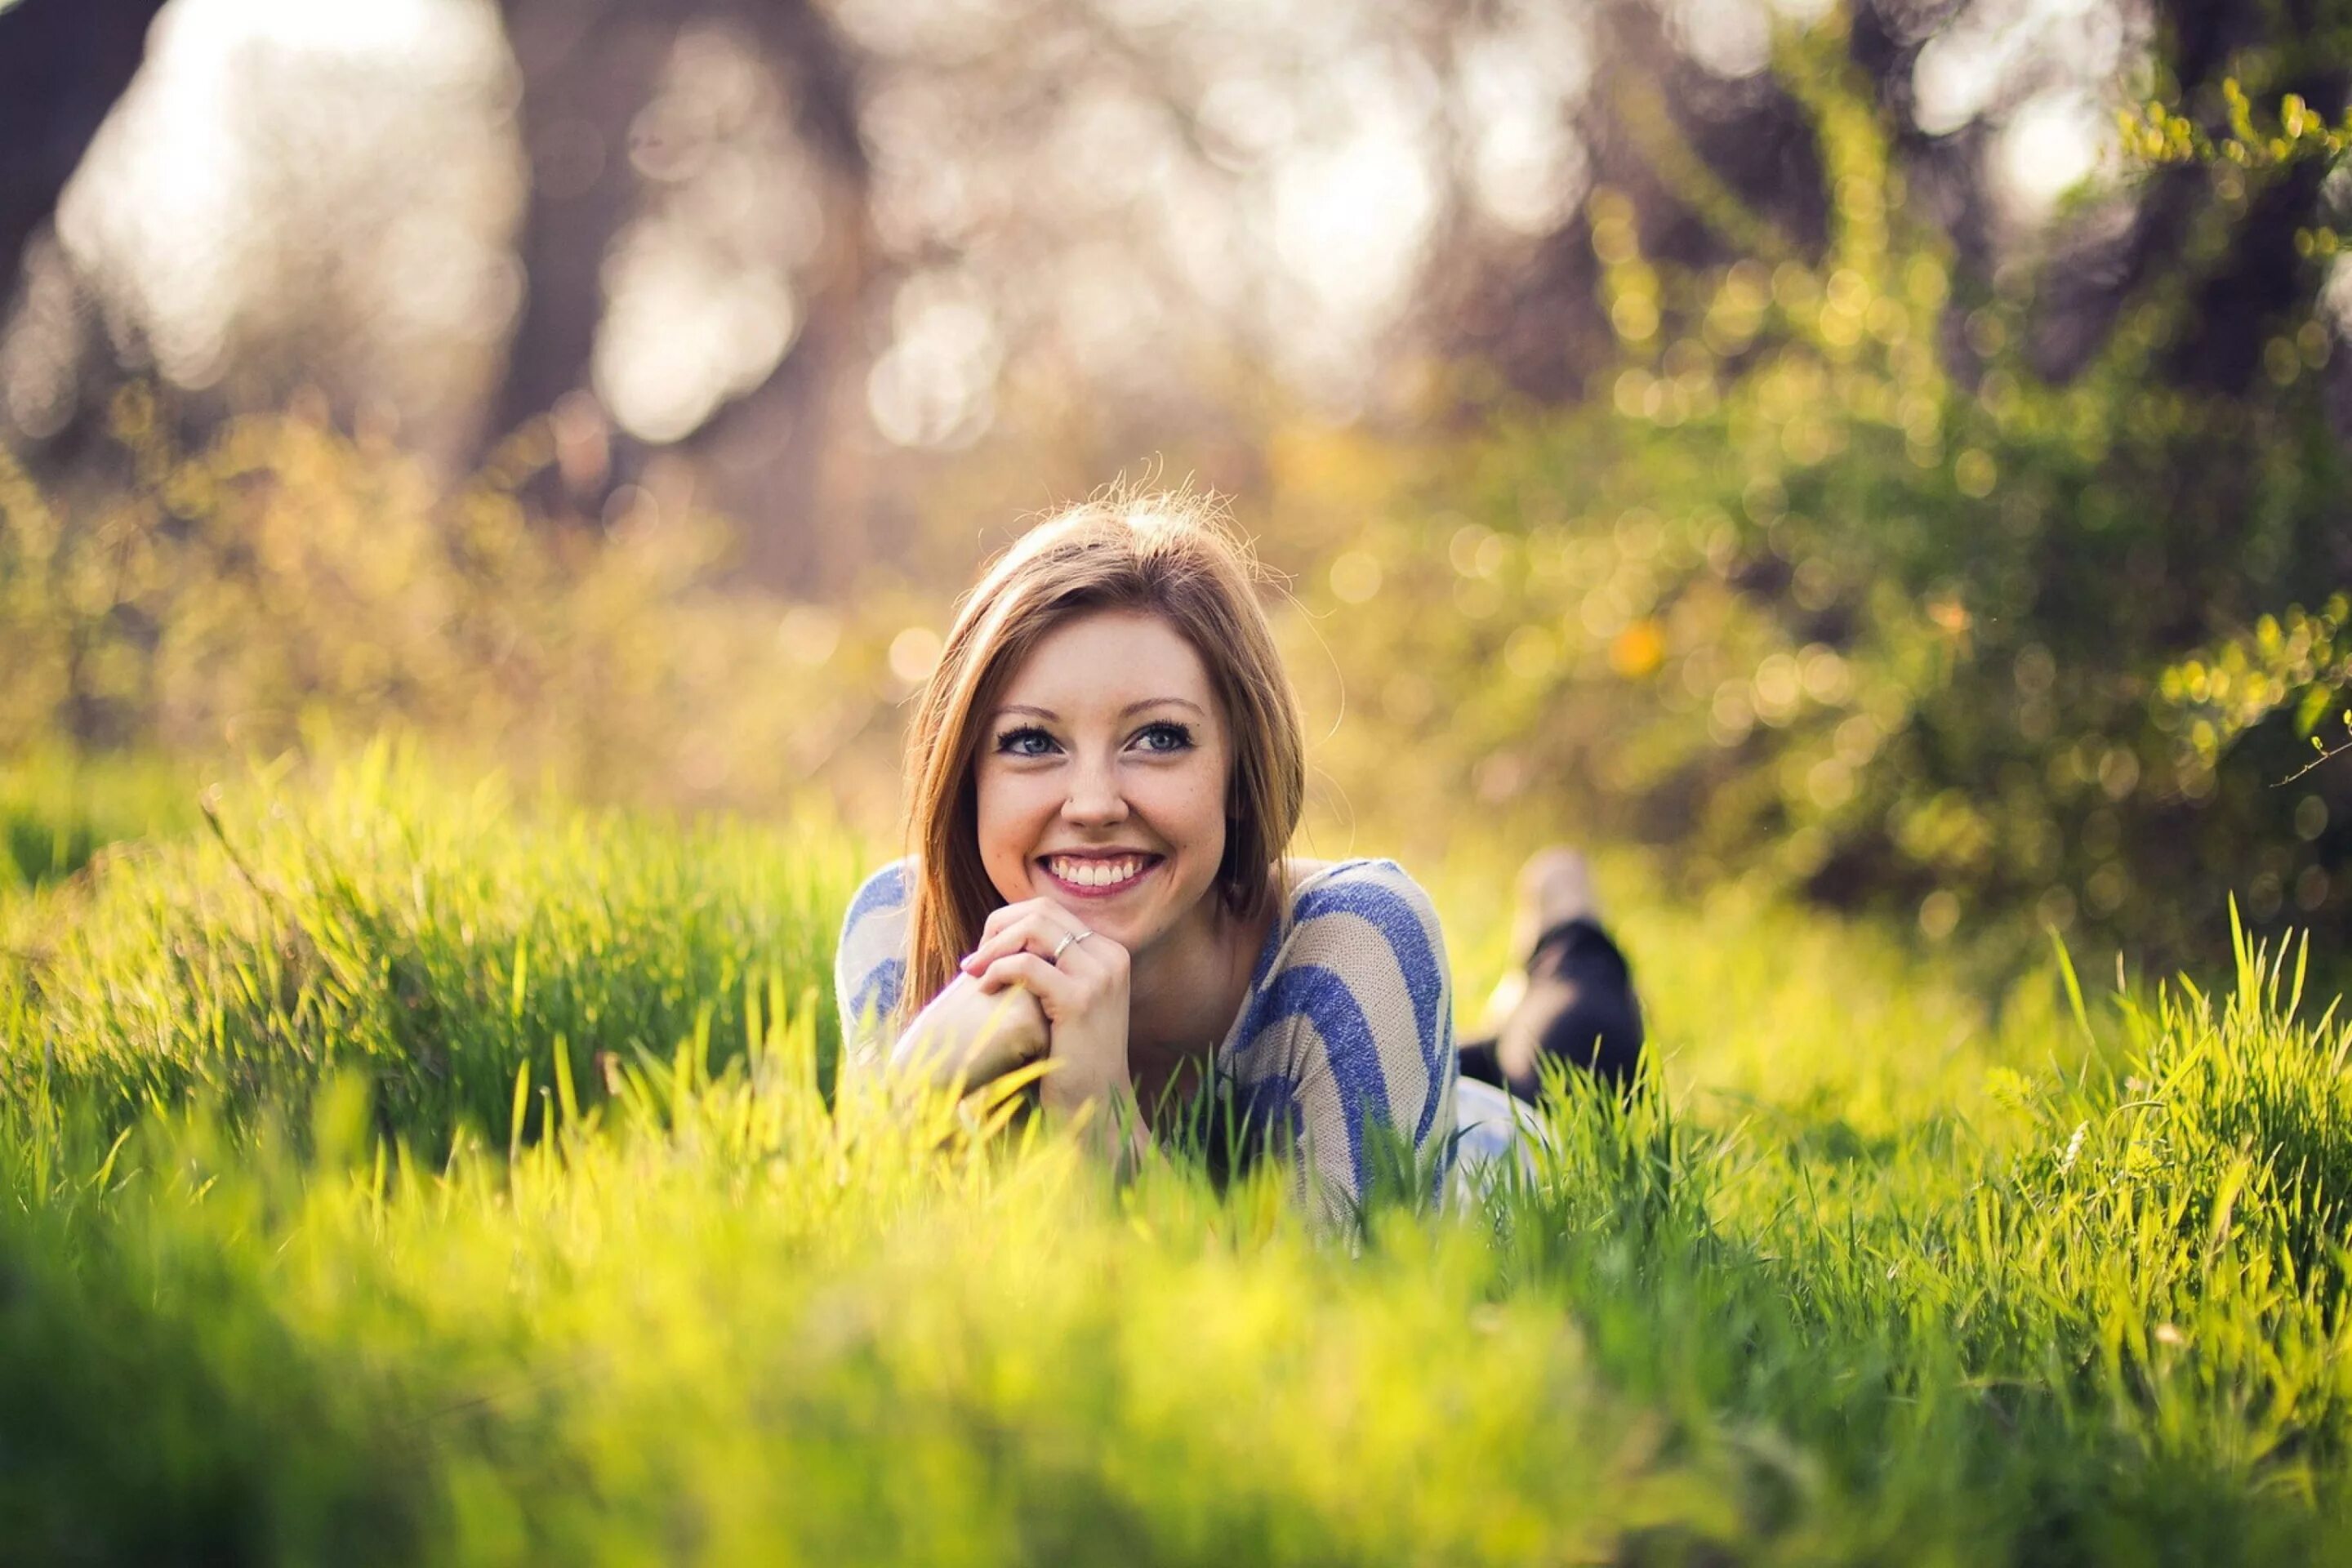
(1345, 1039)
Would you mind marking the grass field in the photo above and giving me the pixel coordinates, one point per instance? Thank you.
(397, 1171)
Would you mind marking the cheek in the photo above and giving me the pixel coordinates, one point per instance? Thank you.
(1007, 817)
(1194, 807)
(995, 819)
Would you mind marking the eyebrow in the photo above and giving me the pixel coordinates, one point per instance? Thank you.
(1130, 708)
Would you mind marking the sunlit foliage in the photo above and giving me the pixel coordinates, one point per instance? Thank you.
(286, 576)
(1834, 575)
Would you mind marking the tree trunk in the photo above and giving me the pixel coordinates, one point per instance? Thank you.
(786, 459)
(774, 459)
(588, 68)
(63, 64)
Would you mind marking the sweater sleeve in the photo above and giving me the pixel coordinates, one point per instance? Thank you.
(869, 966)
(1359, 1009)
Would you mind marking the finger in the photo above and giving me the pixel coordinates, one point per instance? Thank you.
(1005, 914)
(1009, 918)
(1096, 955)
(1009, 937)
(1108, 951)
(995, 945)
(1039, 933)
(1076, 981)
(1048, 983)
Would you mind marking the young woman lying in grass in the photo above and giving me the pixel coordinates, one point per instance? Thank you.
(1106, 769)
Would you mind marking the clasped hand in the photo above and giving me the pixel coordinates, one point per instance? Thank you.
(1083, 997)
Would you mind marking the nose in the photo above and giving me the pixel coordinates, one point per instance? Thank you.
(1096, 799)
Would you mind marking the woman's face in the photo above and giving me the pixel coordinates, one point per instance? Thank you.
(1101, 777)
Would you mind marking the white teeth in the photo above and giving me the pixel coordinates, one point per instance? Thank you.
(1095, 873)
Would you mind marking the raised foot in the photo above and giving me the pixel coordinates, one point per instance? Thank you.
(1554, 885)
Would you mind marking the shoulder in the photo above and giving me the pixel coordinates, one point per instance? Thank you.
(1355, 1011)
(874, 928)
(886, 890)
(1373, 890)
(1367, 919)
(870, 963)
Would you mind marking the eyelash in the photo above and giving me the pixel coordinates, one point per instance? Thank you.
(1183, 734)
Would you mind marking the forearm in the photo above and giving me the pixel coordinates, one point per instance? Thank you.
(964, 1036)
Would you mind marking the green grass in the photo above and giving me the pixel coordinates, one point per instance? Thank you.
(402, 1173)
(57, 811)
(434, 940)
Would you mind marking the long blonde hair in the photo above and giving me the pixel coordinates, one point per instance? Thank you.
(1175, 555)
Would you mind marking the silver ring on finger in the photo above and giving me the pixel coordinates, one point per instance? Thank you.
(1067, 938)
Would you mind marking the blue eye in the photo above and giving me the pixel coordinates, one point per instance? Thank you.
(1163, 739)
(1015, 742)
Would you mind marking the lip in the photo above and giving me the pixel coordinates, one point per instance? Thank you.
(1151, 864)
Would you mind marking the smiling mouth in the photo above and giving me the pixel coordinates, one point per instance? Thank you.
(1094, 876)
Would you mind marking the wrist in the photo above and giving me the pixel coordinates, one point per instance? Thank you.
(1071, 1086)
(1103, 1115)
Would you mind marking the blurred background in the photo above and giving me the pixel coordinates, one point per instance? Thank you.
(1858, 447)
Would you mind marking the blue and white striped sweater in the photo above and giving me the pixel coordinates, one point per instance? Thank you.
(869, 966)
(1348, 1020)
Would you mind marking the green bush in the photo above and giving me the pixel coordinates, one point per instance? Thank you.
(1827, 578)
(285, 583)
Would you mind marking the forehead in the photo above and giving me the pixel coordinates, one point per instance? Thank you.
(1109, 658)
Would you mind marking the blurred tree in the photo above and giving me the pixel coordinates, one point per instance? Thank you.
(1822, 504)
(596, 135)
(63, 65)
(1719, 162)
(588, 70)
(1911, 567)
(1722, 166)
